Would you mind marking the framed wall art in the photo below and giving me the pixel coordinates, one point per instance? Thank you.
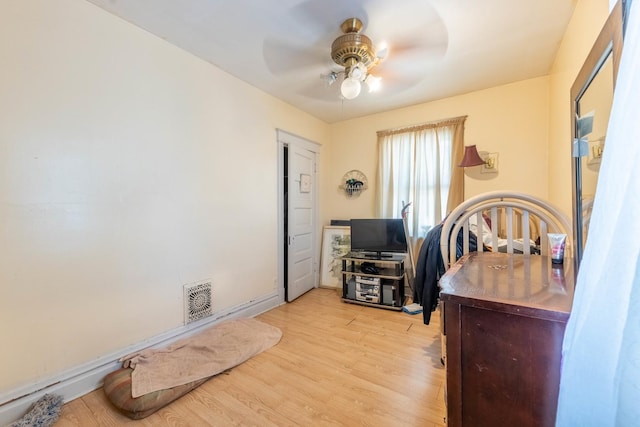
(336, 242)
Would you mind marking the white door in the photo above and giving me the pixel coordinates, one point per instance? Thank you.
(301, 221)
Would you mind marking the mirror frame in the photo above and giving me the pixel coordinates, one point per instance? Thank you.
(609, 42)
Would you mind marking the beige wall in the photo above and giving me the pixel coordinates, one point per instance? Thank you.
(510, 120)
(128, 168)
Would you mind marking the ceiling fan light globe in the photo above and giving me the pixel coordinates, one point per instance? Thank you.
(373, 82)
(358, 72)
(382, 51)
(350, 88)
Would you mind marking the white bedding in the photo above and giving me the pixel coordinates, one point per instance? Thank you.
(487, 237)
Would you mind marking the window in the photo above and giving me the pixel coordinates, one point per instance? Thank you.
(417, 166)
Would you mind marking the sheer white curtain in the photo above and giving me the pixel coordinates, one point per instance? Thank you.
(416, 165)
(600, 377)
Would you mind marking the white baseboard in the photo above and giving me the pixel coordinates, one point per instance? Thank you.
(82, 379)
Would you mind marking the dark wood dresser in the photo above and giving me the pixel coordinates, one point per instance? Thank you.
(505, 317)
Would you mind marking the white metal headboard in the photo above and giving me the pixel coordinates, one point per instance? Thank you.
(528, 208)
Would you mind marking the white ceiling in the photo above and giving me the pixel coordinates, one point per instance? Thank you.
(437, 48)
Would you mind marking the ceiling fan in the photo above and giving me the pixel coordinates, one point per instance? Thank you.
(355, 52)
(394, 55)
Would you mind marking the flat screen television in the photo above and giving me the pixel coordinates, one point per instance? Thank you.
(378, 237)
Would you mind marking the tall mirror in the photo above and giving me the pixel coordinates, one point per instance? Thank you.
(592, 98)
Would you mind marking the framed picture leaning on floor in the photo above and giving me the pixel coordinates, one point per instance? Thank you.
(336, 242)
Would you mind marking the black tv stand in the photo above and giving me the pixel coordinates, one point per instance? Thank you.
(380, 287)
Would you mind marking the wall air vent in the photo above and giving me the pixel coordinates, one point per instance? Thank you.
(197, 301)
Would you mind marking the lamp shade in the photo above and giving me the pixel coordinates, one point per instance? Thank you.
(471, 157)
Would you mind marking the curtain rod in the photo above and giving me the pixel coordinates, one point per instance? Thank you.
(429, 125)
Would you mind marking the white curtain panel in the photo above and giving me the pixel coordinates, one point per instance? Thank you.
(600, 381)
(416, 167)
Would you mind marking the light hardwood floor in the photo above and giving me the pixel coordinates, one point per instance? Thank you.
(337, 364)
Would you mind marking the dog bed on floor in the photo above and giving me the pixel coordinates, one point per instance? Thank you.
(117, 387)
(154, 378)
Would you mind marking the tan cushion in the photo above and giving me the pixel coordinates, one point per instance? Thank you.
(117, 387)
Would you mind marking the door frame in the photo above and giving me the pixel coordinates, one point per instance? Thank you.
(283, 139)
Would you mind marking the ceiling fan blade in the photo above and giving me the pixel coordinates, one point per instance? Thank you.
(284, 58)
(399, 76)
(429, 38)
(430, 50)
(318, 90)
(325, 17)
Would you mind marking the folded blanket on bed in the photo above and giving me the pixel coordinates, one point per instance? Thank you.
(207, 353)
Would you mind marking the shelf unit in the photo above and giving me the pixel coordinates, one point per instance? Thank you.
(381, 289)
